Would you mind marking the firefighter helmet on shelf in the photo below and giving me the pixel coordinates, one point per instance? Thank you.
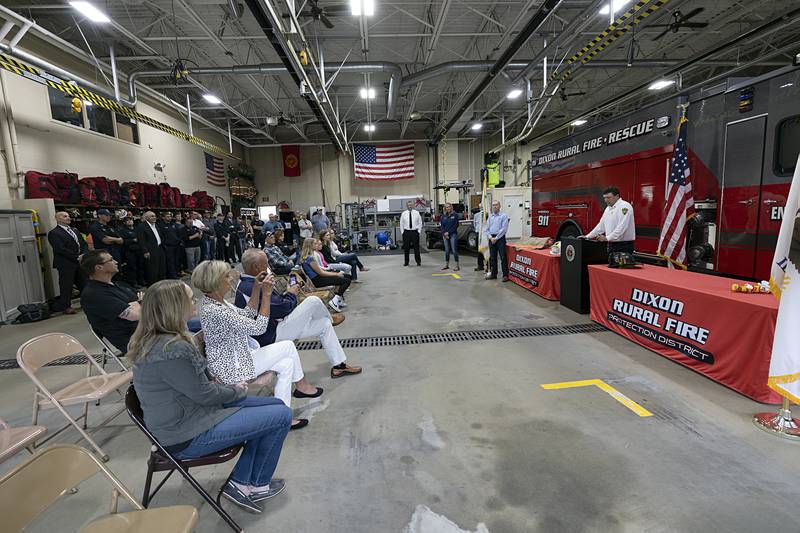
(622, 260)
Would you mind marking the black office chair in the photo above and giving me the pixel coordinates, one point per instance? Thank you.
(161, 460)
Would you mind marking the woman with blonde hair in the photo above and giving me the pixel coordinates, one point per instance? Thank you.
(192, 415)
(321, 277)
(233, 355)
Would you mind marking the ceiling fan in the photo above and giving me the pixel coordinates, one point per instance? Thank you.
(563, 94)
(679, 20)
(321, 13)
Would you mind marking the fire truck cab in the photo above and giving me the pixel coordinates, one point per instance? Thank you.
(743, 141)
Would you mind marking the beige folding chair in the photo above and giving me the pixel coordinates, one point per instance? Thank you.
(44, 349)
(32, 487)
(108, 350)
(325, 294)
(14, 439)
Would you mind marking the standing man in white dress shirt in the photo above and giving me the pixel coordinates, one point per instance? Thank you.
(616, 226)
(411, 224)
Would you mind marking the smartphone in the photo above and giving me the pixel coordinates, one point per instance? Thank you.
(292, 279)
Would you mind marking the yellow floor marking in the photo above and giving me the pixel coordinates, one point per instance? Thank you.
(454, 275)
(602, 385)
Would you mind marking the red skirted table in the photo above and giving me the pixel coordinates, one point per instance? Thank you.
(693, 319)
(536, 270)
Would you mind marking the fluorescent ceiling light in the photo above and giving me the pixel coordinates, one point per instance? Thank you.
(362, 7)
(211, 99)
(615, 4)
(477, 126)
(661, 84)
(369, 127)
(579, 122)
(90, 12)
(367, 92)
(514, 93)
(785, 85)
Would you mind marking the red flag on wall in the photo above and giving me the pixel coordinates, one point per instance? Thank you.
(291, 160)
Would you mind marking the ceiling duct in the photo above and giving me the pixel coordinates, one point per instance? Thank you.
(533, 24)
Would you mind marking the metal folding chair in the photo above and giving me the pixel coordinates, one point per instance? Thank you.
(30, 488)
(14, 439)
(107, 350)
(45, 349)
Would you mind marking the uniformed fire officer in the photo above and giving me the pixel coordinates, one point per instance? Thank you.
(172, 243)
(133, 269)
(616, 226)
(223, 235)
(104, 237)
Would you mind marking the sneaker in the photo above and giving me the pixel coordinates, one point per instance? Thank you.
(334, 305)
(241, 499)
(274, 488)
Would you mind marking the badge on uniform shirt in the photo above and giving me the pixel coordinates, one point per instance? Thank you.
(624, 210)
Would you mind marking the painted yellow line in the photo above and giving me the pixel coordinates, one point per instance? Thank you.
(602, 385)
(454, 275)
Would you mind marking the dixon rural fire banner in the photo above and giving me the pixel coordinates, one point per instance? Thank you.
(693, 319)
(536, 270)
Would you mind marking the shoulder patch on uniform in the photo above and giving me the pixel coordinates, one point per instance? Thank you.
(624, 210)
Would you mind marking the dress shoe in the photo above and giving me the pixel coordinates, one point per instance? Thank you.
(341, 370)
(70, 311)
(337, 318)
(505, 278)
(477, 269)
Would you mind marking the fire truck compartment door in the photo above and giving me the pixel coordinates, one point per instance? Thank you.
(514, 207)
(741, 196)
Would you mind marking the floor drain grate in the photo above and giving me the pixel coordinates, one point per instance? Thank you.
(399, 340)
(458, 336)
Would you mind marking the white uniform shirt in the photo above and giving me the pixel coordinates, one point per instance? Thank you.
(305, 228)
(616, 223)
(416, 220)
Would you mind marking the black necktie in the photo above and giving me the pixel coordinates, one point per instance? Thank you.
(410, 226)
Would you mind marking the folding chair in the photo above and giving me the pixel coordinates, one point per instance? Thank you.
(161, 460)
(13, 439)
(324, 293)
(32, 487)
(44, 349)
(107, 350)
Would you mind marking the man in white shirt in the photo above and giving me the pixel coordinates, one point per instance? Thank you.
(616, 226)
(411, 224)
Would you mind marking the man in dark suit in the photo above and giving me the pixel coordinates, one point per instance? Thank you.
(68, 246)
(171, 242)
(149, 239)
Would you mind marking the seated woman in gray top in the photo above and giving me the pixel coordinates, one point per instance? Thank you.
(192, 415)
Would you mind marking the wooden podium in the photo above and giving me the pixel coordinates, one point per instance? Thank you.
(576, 255)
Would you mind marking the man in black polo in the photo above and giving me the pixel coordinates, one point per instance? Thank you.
(172, 244)
(258, 231)
(112, 309)
(223, 234)
(104, 237)
(191, 237)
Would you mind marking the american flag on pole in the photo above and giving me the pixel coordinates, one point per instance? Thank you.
(383, 162)
(679, 207)
(215, 171)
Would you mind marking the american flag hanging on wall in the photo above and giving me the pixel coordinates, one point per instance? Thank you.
(383, 162)
(679, 205)
(215, 171)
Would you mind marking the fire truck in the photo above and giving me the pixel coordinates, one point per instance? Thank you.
(743, 140)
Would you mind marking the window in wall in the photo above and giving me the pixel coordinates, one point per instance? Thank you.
(787, 146)
(61, 108)
(127, 129)
(92, 117)
(99, 119)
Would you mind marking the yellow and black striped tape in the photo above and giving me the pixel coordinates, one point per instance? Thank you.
(21, 69)
(620, 27)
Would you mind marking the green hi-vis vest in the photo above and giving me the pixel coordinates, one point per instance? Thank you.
(493, 173)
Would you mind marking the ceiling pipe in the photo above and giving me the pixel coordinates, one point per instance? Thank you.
(275, 69)
(533, 24)
(233, 5)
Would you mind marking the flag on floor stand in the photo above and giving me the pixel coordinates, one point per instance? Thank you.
(784, 367)
(483, 239)
(383, 162)
(215, 171)
(291, 160)
(679, 205)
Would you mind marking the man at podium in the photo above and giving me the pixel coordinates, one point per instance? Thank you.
(616, 226)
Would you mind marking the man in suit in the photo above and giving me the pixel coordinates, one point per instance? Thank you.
(68, 247)
(153, 250)
(411, 224)
(168, 231)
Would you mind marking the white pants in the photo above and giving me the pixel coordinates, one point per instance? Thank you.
(340, 267)
(282, 358)
(312, 319)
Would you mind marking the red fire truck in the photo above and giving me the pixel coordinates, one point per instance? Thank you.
(743, 140)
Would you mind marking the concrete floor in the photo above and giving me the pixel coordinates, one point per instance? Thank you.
(461, 437)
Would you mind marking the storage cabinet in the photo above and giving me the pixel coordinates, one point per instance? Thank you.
(20, 269)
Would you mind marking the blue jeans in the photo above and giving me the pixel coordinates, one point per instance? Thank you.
(350, 259)
(262, 424)
(450, 246)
